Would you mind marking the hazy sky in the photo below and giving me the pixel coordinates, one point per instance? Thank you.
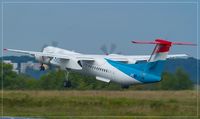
(85, 27)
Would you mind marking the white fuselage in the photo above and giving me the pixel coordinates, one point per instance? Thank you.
(125, 70)
(99, 68)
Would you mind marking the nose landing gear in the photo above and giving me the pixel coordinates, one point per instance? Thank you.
(125, 86)
(67, 82)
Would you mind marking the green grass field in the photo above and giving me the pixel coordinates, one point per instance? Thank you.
(99, 103)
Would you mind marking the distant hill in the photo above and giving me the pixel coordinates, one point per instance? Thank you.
(189, 65)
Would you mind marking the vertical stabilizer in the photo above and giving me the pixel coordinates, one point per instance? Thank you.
(157, 59)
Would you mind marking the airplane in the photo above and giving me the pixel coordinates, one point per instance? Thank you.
(122, 69)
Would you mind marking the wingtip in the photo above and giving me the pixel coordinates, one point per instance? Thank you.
(184, 43)
(5, 49)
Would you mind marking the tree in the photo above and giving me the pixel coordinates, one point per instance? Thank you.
(12, 81)
(7, 75)
(178, 81)
(53, 80)
(183, 78)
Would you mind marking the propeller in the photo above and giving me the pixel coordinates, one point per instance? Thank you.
(104, 49)
(43, 66)
(53, 43)
(45, 45)
(112, 48)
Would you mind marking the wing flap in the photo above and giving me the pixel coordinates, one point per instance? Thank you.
(82, 58)
(124, 60)
(103, 79)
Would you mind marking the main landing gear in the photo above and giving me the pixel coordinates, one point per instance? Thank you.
(125, 86)
(42, 68)
(67, 82)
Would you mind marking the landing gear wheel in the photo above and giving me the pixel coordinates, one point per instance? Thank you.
(67, 84)
(42, 68)
(125, 86)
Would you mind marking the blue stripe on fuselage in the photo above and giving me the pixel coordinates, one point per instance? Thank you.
(148, 72)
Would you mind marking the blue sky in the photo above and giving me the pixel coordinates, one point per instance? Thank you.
(85, 27)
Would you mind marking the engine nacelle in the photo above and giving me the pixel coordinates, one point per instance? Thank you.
(42, 59)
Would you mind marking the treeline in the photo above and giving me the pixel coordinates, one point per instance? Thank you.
(53, 80)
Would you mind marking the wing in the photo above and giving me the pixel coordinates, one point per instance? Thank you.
(72, 61)
(176, 56)
(33, 53)
(64, 61)
(134, 59)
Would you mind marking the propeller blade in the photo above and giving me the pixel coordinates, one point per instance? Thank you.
(54, 43)
(104, 49)
(112, 48)
(45, 45)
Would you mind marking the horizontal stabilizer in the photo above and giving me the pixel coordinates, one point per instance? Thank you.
(163, 42)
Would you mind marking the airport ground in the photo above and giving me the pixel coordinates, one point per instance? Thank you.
(100, 104)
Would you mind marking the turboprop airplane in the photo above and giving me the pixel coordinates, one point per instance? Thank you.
(121, 69)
